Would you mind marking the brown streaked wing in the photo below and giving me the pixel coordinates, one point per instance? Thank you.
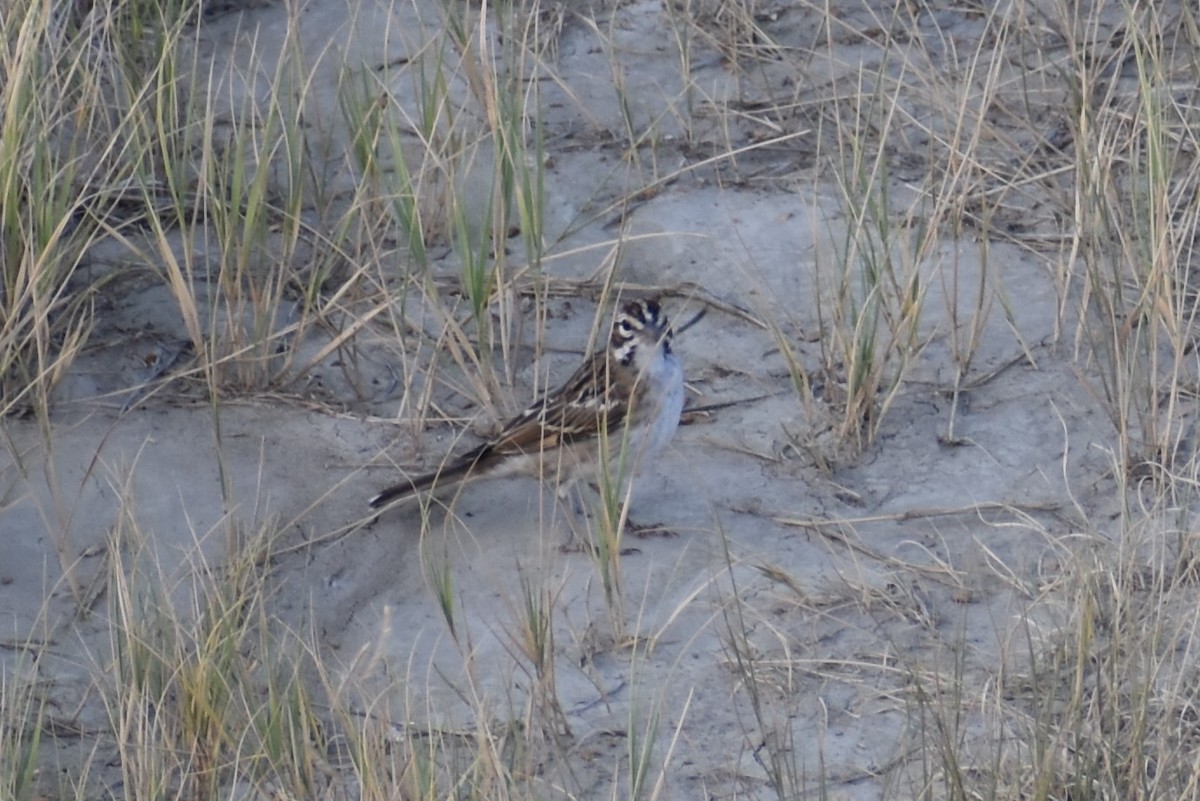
(566, 416)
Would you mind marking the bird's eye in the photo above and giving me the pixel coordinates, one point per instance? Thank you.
(625, 327)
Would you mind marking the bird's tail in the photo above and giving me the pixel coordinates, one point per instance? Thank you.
(449, 476)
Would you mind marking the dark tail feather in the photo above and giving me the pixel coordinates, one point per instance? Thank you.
(447, 477)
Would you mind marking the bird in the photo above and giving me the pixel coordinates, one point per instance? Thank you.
(631, 387)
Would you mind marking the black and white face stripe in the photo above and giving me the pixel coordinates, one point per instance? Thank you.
(636, 319)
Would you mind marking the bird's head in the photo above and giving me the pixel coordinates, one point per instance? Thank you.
(639, 330)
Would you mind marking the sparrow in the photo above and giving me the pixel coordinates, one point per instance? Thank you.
(632, 387)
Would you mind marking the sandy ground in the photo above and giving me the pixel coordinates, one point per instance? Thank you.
(923, 553)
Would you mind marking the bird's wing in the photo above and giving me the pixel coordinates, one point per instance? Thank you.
(596, 395)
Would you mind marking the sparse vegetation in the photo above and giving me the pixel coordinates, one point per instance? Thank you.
(380, 230)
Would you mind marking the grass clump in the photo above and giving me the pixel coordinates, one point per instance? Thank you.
(1138, 221)
(51, 195)
(197, 648)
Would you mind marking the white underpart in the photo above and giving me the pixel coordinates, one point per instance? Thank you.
(663, 379)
